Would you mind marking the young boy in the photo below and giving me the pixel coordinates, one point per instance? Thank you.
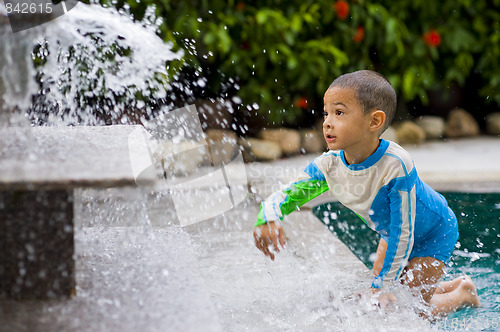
(377, 180)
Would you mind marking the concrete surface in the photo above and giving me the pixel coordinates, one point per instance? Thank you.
(467, 164)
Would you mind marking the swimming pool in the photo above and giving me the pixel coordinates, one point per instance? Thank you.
(477, 252)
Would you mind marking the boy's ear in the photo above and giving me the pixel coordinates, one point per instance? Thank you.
(377, 120)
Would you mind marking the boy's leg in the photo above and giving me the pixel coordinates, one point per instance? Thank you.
(454, 295)
(448, 286)
(423, 273)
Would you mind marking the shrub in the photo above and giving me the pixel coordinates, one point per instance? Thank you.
(282, 56)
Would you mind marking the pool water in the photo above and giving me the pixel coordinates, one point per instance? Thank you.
(477, 252)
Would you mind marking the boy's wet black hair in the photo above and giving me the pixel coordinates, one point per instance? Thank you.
(373, 91)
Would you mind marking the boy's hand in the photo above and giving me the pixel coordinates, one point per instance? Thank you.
(269, 235)
(386, 299)
(367, 293)
(378, 297)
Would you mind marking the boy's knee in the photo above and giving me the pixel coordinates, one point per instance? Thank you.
(467, 284)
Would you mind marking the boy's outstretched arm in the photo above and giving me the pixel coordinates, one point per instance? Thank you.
(268, 232)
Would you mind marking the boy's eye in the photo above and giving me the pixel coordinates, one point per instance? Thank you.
(338, 112)
(325, 114)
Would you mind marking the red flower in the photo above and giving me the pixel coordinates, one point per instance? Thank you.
(301, 103)
(360, 34)
(342, 9)
(432, 38)
(240, 6)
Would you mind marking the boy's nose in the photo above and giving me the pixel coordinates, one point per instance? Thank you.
(327, 123)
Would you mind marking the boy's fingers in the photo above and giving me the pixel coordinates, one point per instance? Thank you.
(263, 245)
(260, 241)
(267, 252)
(281, 237)
(274, 240)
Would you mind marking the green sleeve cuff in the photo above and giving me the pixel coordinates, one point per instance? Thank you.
(260, 217)
(297, 194)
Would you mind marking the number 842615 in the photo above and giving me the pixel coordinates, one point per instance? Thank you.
(28, 8)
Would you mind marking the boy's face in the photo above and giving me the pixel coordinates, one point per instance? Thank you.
(345, 126)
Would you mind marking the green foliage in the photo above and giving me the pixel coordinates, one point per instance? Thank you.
(277, 52)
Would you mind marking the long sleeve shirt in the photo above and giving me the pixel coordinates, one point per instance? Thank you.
(384, 191)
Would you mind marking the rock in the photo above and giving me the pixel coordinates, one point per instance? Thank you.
(180, 159)
(432, 125)
(257, 149)
(410, 133)
(493, 123)
(312, 141)
(461, 124)
(222, 145)
(288, 139)
(214, 114)
(390, 134)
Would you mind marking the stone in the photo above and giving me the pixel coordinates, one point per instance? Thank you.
(461, 124)
(288, 139)
(71, 157)
(493, 123)
(410, 133)
(257, 149)
(390, 134)
(36, 243)
(432, 125)
(222, 145)
(39, 169)
(180, 158)
(312, 141)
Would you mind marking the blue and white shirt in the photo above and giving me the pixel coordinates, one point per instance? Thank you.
(384, 191)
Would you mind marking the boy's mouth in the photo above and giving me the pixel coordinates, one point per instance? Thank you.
(330, 138)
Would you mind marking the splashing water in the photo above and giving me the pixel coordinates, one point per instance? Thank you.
(16, 70)
(94, 66)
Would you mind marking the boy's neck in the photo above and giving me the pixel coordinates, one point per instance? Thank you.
(357, 156)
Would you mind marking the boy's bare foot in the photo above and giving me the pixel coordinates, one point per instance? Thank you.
(468, 288)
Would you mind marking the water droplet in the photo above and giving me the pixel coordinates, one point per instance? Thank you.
(201, 83)
(479, 243)
(474, 257)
